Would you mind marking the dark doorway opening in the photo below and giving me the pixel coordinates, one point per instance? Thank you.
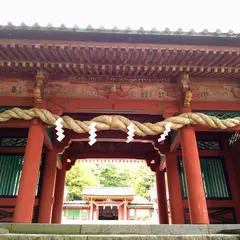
(108, 213)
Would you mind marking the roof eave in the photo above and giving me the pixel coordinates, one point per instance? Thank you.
(121, 36)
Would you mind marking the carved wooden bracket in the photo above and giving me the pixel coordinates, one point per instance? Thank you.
(62, 146)
(153, 163)
(71, 163)
(39, 86)
(186, 91)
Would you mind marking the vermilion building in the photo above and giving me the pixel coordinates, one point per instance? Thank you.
(146, 78)
(107, 204)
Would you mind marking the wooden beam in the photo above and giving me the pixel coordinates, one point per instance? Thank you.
(162, 165)
(15, 123)
(16, 101)
(215, 106)
(176, 142)
(120, 106)
(47, 141)
(60, 43)
(211, 136)
(109, 134)
(12, 150)
(114, 154)
(115, 106)
(206, 153)
(59, 163)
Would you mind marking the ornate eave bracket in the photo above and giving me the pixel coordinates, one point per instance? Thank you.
(186, 93)
(39, 87)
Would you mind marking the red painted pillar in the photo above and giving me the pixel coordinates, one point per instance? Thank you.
(231, 173)
(27, 189)
(59, 195)
(196, 195)
(121, 212)
(47, 190)
(161, 195)
(174, 189)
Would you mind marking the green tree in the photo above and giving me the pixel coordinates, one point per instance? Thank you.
(113, 176)
(79, 177)
(143, 180)
(138, 175)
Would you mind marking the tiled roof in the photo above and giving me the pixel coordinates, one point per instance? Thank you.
(128, 30)
(108, 191)
(83, 203)
(75, 203)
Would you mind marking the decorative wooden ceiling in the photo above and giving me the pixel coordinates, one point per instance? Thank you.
(76, 52)
(94, 59)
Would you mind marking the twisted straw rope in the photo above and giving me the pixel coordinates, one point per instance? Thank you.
(105, 122)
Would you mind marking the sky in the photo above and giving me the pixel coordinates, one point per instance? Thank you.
(174, 14)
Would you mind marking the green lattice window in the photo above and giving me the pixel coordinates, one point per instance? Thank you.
(73, 214)
(84, 214)
(10, 174)
(13, 142)
(213, 175)
(207, 145)
(233, 138)
(222, 115)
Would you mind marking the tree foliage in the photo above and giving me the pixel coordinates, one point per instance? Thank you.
(136, 175)
(78, 178)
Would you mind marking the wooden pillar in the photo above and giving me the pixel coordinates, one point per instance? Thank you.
(88, 216)
(80, 212)
(174, 189)
(231, 174)
(161, 195)
(125, 210)
(59, 194)
(27, 189)
(196, 195)
(121, 212)
(47, 190)
(91, 211)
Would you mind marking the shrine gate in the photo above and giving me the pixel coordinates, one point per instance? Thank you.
(187, 81)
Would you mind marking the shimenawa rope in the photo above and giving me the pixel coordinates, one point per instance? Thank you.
(106, 122)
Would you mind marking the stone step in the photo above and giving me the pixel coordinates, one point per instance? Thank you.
(120, 229)
(116, 237)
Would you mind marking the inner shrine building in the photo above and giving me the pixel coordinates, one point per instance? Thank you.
(107, 203)
(169, 98)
